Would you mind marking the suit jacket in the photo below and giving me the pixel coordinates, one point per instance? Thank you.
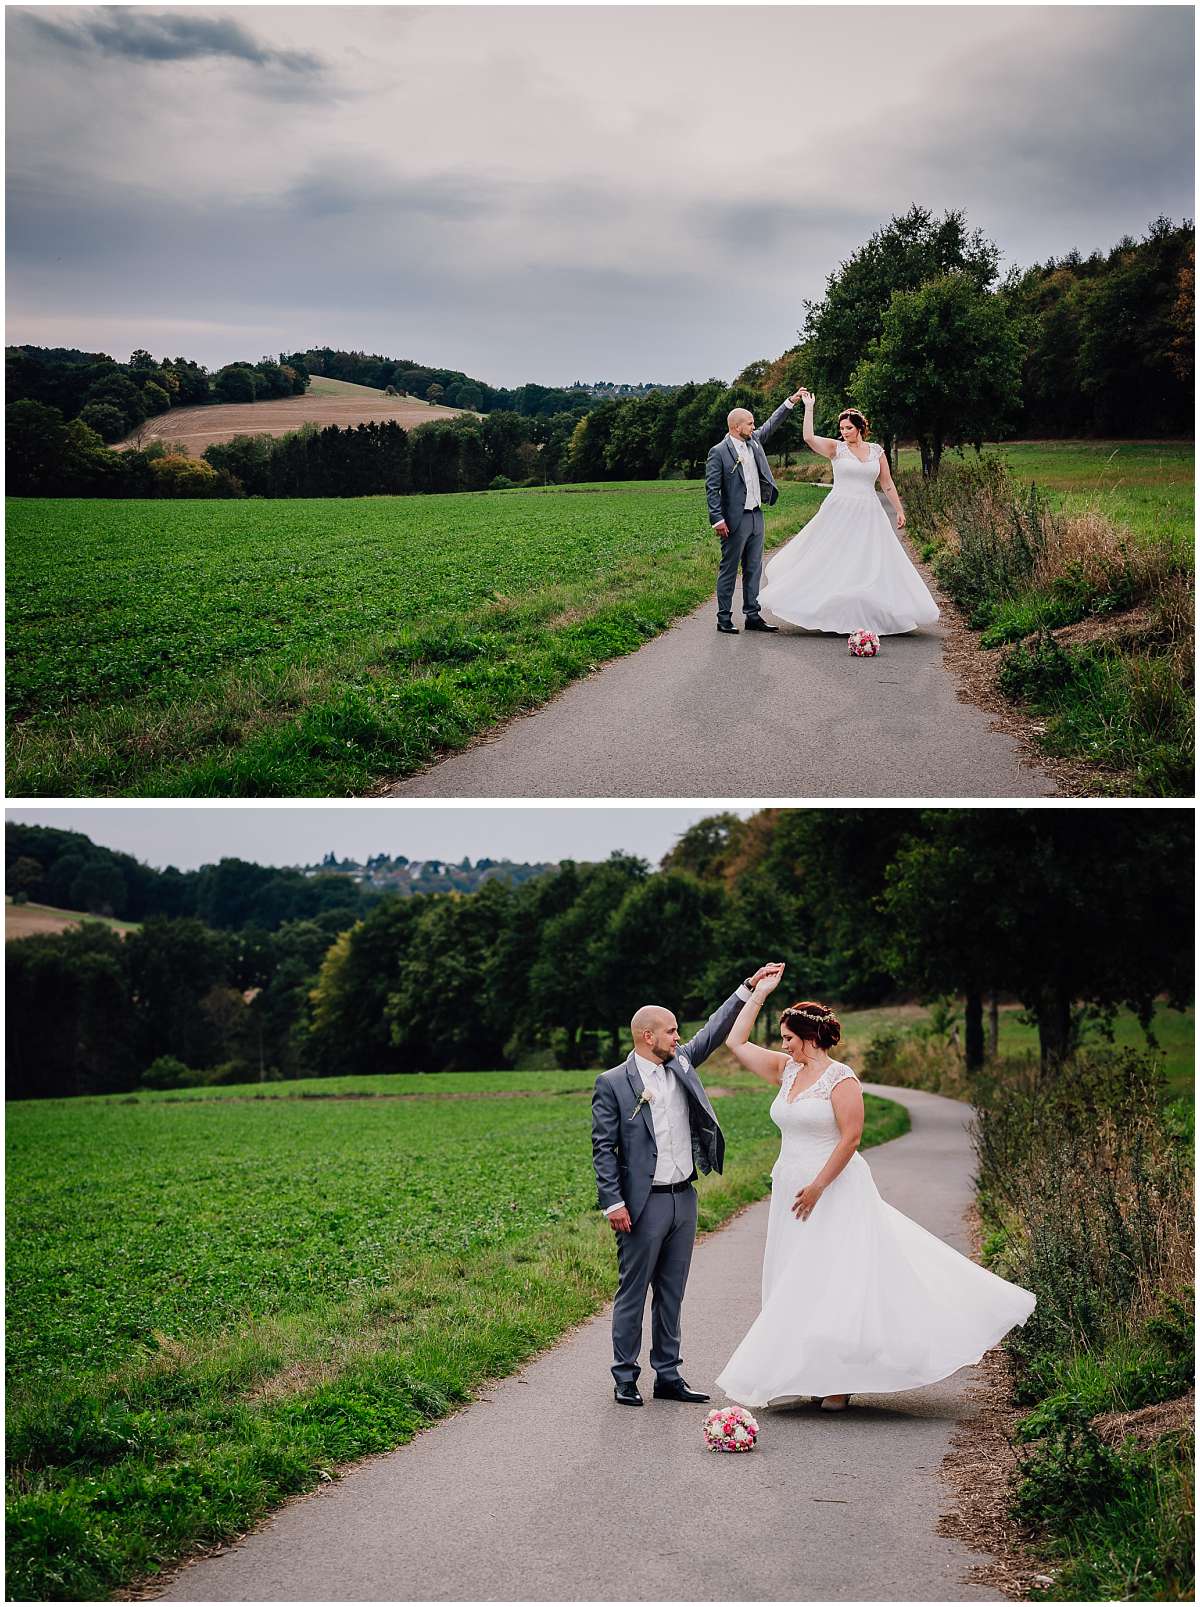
(623, 1147)
(723, 478)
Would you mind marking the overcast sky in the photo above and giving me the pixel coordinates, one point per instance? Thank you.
(552, 193)
(273, 835)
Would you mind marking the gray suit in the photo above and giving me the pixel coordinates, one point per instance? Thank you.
(725, 485)
(657, 1252)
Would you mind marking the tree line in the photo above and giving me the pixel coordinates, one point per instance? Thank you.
(916, 328)
(1068, 913)
(113, 398)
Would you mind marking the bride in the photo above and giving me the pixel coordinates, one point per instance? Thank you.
(855, 1296)
(846, 570)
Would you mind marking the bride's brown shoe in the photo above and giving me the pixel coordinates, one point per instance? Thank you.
(835, 1403)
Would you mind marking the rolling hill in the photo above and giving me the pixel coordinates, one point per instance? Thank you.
(327, 401)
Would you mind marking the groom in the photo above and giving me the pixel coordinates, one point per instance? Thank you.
(739, 483)
(652, 1126)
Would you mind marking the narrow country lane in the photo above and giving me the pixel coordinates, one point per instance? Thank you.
(545, 1489)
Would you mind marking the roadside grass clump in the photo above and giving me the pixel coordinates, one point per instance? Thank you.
(1115, 686)
(1086, 1195)
(215, 1303)
(1122, 1519)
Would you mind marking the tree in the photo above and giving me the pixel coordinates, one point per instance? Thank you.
(1062, 910)
(177, 475)
(237, 382)
(68, 1026)
(945, 368)
(107, 421)
(704, 848)
(155, 398)
(173, 965)
(641, 436)
(902, 256)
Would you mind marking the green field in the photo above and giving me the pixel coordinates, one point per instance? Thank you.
(213, 1301)
(323, 647)
(1148, 486)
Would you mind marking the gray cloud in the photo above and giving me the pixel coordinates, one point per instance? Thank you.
(552, 193)
(165, 36)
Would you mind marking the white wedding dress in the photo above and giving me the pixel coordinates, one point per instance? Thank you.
(858, 1298)
(847, 570)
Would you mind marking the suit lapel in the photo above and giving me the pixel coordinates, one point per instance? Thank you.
(694, 1086)
(639, 1087)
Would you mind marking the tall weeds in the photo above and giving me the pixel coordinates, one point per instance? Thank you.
(1087, 1200)
(1121, 696)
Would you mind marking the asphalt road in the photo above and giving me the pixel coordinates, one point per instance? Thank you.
(546, 1490)
(791, 716)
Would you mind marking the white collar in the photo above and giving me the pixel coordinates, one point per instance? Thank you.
(739, 446)
(647, 1067)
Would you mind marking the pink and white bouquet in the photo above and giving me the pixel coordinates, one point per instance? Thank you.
(730, 1428)
(863, 644)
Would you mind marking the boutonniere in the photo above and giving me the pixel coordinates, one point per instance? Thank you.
(644, 1098)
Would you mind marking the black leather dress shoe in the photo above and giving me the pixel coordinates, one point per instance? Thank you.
(674, 1389)
(757, 623)
(726, 627)
(627, 1395)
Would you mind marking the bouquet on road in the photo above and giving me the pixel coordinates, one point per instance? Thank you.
(729, 1428)
(863, 644)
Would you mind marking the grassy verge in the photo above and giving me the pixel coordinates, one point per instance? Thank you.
(1088, 596)
(1086, 1197)
(315, 648)
(254, 1293)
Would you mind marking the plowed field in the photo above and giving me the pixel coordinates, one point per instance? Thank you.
(198, 427)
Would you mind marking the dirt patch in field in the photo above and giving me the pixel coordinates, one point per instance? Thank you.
(34, 920)
(198, 427)
(22, 922)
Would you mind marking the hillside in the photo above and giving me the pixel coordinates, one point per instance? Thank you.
(32, 920)
(328, 401)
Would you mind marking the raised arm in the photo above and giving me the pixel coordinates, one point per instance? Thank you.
(765, 1063)
(888, 487)
(818, 443)
(784, 411)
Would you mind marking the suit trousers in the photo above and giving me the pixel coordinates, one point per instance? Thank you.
(656, 1255)
(742, 549)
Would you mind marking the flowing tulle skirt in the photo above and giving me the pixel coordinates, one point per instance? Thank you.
(847, 571)
(860, 1299)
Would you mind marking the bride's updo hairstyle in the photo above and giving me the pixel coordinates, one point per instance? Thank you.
(859, 421)
(812, 1022)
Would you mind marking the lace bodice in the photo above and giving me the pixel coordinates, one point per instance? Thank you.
(853, 478)
(808, 1123)
(834, 1073)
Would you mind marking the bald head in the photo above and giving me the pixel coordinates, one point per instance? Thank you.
(655, 1033)
(741, 423)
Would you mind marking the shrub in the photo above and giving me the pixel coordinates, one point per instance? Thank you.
(168, 1072)
(1094, 1198)
(174, 475)
(1035, 671)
